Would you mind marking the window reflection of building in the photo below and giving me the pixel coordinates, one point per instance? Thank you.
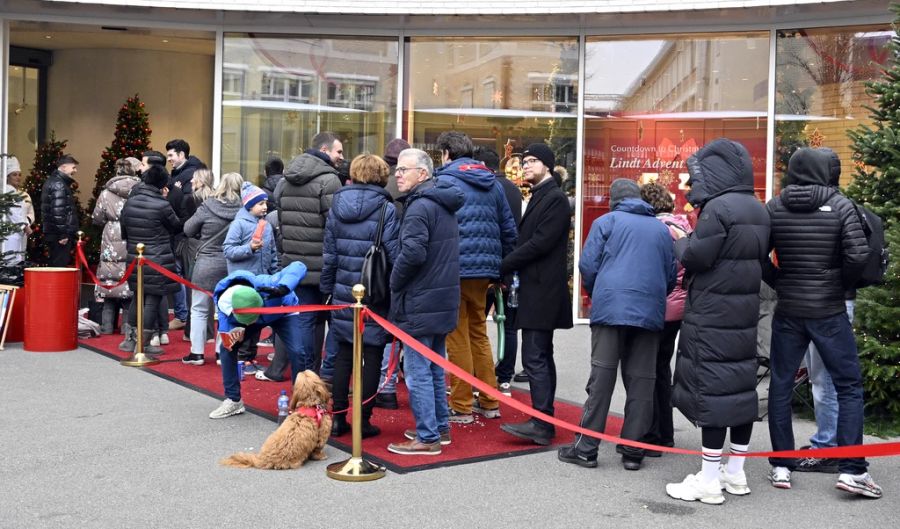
(279, 91)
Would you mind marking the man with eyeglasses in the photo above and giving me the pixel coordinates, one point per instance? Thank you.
(425, 294)
(544, 300)
(487, 232)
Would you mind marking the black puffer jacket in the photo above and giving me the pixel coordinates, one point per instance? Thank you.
(715, 371)
(58, 212)
(304, 197)
(817, 237)
(148, 218)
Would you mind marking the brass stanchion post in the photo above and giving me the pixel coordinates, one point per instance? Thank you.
(356, 468)
(139, 359)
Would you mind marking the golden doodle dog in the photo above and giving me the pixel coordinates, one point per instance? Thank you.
(300, 437)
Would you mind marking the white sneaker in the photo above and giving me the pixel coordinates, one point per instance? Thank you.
(733, 483)
(861, 484)
(505, 388)
(227, 409)
(164, 339)
(154, 341)
(780, 477)
(694, 489)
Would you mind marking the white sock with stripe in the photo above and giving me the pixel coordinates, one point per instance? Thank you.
(736, 459)
(711, 459)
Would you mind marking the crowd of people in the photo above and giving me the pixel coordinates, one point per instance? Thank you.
(660, 286)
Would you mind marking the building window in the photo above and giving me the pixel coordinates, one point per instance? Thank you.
(650, 103)
(357, 93)
(232, 82)
(276, 87)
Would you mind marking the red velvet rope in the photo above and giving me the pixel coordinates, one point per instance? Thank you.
(83, 259)
(870, 450)
(174, 277)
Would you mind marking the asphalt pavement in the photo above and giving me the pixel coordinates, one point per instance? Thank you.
(87, 443)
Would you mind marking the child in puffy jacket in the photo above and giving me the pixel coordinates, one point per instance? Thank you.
(250, 246)
(250, 243)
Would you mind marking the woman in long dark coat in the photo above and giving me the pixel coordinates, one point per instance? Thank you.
(715, 371)
(149, 218)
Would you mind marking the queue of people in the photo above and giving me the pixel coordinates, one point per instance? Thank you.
(659, 286)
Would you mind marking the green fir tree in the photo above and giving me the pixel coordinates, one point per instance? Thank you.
(11, 265)
(45, 158)
(877, 185)
(132, 138)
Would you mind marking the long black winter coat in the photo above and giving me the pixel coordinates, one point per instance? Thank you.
(715, 370)
(540, 258)
(148, 218)
(818, 239)
(304, 197)
(58, 212)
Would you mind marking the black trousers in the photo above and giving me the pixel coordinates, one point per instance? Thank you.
(343, 365)
(636, 349)
(60, 254)
(662, 429)
(280, 361)
(152, 305)
(537, 359)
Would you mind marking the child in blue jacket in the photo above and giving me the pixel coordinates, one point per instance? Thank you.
(240, 290)
(242, 251)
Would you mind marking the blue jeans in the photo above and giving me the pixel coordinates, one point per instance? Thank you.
(331, 351)
(309, 295)
(179, 298)
(833, 337)
(824, 395)
(427, 390)
(391, 385)
(287, 329)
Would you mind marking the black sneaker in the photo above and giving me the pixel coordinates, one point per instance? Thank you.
(817, 464)
(521, 376)
(568, 454)
(193, 359)
(387, 401)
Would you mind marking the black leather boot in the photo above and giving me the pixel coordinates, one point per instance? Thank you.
(339, 425)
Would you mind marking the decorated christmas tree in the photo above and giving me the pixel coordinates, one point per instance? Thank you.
(877, 185)
(11, 269)
(132, 138)
(45, 159)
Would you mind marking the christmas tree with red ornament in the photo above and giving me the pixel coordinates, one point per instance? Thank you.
(132, 138)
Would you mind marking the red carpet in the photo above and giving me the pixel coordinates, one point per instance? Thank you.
(479, 441)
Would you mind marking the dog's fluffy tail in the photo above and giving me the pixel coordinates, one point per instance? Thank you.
(242, 460)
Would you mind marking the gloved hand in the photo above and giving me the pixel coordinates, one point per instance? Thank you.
(275, 292)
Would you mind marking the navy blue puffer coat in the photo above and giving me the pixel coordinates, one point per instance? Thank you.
(425, 278)
(349, 233)
(487, 230)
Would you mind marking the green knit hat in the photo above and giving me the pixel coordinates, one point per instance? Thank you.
(245, 297)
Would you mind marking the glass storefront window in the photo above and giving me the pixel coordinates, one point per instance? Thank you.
(280, 91)
(651, 102)
(505, 93)
(820, 93)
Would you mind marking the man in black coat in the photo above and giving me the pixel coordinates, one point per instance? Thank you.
(505, 368)
(822, 251)
(544, 300)
(274, 173)
(59, 212)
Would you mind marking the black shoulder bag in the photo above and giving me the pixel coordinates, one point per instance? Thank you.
(375, 274)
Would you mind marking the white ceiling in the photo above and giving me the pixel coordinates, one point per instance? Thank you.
(55, 36)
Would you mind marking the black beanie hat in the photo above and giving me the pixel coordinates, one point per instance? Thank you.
(155, 176)
(621, 189)
(542, 152)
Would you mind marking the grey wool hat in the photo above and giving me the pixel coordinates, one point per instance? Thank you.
(621, 189)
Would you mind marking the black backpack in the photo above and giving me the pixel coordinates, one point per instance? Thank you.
(876, 266)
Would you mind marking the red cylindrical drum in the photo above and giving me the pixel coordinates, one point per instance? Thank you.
(51, 310)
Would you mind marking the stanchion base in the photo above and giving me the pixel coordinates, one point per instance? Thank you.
(355, 469)
(139, 360)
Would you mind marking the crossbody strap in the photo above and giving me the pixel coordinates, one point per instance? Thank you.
(212, 239)
(380, 225)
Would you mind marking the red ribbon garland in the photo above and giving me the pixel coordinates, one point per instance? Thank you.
(870, 450)
(83, 259)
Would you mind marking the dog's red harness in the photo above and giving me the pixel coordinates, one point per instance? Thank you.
(313, 412)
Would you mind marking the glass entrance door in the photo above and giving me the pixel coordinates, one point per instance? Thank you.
(24, 114)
